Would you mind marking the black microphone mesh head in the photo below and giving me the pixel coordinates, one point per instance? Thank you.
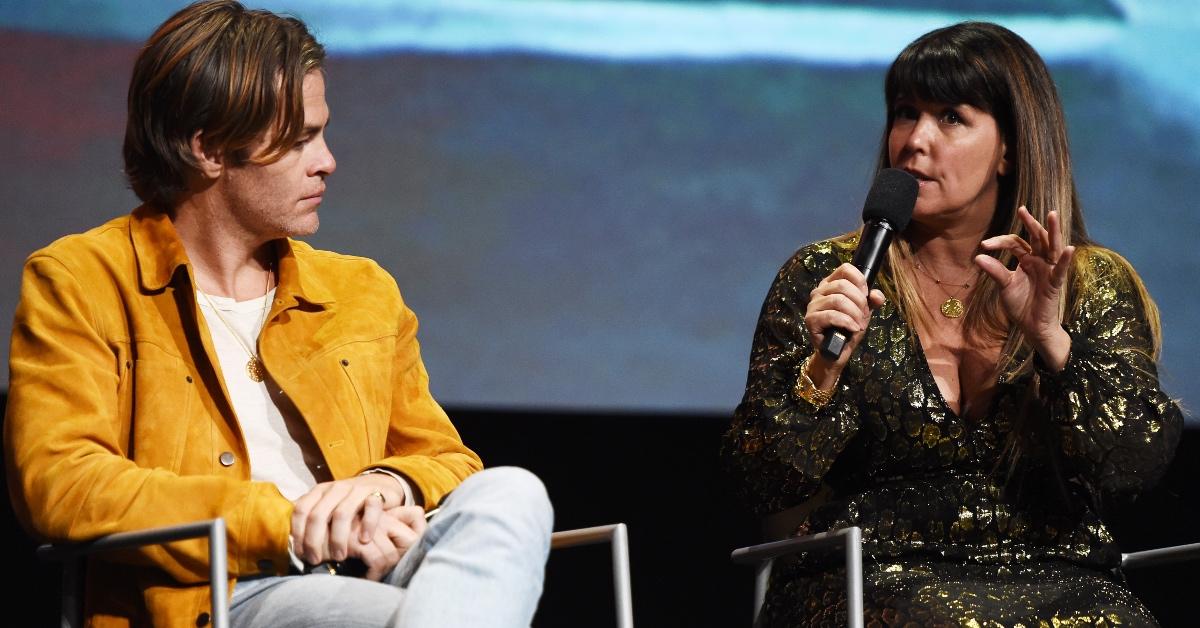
(891, 198)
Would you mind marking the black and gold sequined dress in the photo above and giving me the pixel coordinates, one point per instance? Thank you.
(951, 535)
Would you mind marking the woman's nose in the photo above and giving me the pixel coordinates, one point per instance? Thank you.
(920, 134)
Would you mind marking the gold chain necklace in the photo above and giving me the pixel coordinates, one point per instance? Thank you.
(254, 366)
(952, 307)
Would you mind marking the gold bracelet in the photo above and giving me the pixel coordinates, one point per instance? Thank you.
(805, 388)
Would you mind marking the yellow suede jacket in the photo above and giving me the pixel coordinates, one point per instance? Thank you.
(118, 415)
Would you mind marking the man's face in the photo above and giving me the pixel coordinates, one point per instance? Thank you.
(280, 199)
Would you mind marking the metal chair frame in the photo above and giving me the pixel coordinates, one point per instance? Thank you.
(618, 535)
(71, 556)
(850, 540)
(1160, 556)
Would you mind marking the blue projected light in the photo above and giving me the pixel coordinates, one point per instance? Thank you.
(586, 200)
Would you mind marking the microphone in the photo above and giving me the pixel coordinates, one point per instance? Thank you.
(888, 208)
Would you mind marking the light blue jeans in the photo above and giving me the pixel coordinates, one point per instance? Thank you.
(480, 563)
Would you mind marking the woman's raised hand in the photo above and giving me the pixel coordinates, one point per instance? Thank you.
(1032, 293)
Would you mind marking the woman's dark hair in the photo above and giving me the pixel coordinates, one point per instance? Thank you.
(992, 69)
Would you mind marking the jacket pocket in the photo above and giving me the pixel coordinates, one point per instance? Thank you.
(366, 367)
(163, 397)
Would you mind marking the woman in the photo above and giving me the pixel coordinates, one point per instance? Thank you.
(1003, 393)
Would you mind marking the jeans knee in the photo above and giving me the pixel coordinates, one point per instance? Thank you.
(513, 490)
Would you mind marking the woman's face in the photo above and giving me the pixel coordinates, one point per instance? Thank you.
(956, 153)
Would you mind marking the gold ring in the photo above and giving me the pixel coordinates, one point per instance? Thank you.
(382, 499)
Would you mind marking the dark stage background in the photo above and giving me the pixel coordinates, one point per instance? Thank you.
(659, 474)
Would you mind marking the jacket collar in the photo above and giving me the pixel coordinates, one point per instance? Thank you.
(298, 280)
(157, 247)
(160, 253)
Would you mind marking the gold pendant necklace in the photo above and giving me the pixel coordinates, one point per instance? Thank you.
(952, 307)
(254, 366)
(254, 369)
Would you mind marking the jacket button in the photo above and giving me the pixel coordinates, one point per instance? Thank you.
(345, 362)
(189, 379)
(202, 619)
(227, 459)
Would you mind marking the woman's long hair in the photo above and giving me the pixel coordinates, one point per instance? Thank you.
(993, 69)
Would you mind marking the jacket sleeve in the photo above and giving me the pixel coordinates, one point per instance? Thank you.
(779, 446)
(70, 474)
(422, 444)
(1119, 430)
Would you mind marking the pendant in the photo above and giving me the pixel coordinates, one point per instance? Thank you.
(952, 308)
(254, 368)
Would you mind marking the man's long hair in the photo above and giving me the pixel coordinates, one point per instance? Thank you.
(231, 74)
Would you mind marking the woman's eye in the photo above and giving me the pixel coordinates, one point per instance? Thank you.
(951, 116)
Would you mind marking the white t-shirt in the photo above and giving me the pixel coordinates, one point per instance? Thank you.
(272, 439)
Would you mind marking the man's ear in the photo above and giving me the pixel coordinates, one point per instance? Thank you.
(210, 163)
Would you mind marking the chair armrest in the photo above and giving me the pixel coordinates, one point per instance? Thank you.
(849, 539)
(218, 570)
(618, 535)
(1160, 556)
(765, 551)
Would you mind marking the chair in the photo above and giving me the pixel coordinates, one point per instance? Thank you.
(72, 554)
(618, 535)
(850, 540)
(847, 539)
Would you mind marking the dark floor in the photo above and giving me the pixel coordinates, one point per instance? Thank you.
(659, 475)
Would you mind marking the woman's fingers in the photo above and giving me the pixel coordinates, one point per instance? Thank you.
(1054, 226)
(1038, 240)
(850, 273)
(1010, 241)
(1047, 241)
(1062, 267)
(835, 310)
(994, 269)
(843, 287)
(850, 305)
(820, 322)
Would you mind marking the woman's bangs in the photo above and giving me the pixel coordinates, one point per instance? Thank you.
(937, 73)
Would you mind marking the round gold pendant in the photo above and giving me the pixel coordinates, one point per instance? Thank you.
(254, 369)
(952, 308)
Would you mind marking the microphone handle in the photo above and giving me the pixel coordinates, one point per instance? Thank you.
(868, 257)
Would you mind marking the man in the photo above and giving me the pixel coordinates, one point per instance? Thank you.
(192, 361)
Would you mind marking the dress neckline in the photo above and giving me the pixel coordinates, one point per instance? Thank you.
(931, 380)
